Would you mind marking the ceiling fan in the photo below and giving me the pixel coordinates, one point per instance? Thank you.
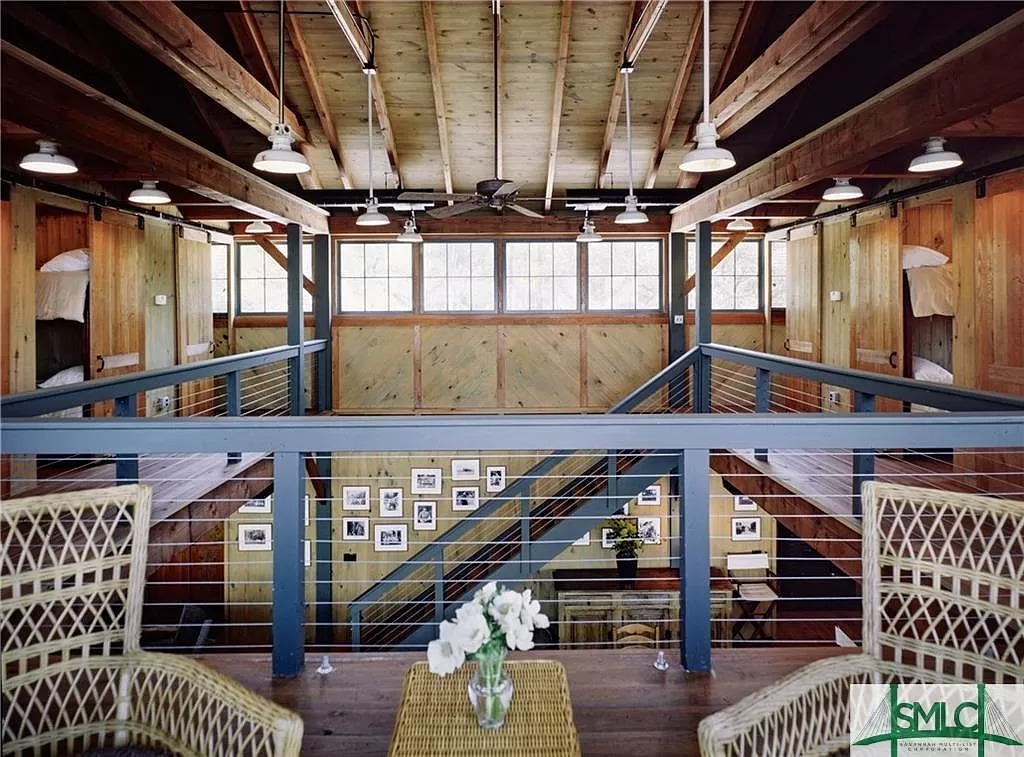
(490, 193)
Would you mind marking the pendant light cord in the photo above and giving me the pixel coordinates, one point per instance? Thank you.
(280, 64)
(629, 134)
(369, 123)
(707, 61)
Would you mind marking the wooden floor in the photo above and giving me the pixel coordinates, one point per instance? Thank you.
(621, 704)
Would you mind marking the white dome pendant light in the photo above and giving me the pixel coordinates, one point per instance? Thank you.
(588, 232)
(739, 224)
(259, 227)
(707, 155)
(632, 214)
(148, 194)
(281, 158)
(372, 216)
(47, 160)
(842, 190)
(410, 233)
(935, 157)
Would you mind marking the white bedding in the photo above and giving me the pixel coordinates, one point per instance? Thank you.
(61, 294)
(931, 290)
(926, 370)
(72, 375)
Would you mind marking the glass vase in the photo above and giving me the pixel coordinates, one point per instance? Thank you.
(490, 690)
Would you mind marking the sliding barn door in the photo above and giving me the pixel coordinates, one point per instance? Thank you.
(803, 316)
(195, 318)
(116, 331)
(876, 298)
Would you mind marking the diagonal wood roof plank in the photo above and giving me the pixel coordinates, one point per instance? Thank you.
(565, 27)
(430, 31)
(960, 85)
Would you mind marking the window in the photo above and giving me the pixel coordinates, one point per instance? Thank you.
(263, 282)
(374, 277)
(778, 282)
(458, 276)
(735, 281)
(219, 277)
(541, 276)
(624, 275)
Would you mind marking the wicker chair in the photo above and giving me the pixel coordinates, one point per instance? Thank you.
(75, 679)
(943, 601)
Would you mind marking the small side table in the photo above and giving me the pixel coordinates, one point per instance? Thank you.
(435, 717)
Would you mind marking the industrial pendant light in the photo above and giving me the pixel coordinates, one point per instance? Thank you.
(281, 158)
(739, 224)
(707, 155)
(842, 190)
(935, 158)
(410, 233)
(47, 160)
(632, 214)
(588, 233)
(372, 216)
(259, 227)
(148, 194)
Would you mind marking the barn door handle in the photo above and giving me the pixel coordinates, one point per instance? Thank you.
(212, 347)
(785, 344)
(100, 368)
(894, 360)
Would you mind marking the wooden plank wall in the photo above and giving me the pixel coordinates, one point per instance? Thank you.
(59, 230)
(158, 276)
(193, 297)
(803, 316)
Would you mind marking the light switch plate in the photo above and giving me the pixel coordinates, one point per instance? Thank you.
(835, 295)
(160, 299)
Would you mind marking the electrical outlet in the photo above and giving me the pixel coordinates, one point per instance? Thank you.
(164, 403)
(833, 398)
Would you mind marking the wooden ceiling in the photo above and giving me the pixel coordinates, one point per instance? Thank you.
(185, 93)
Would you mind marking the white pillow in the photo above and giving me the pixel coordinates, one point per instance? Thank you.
(73, 375)
(61, 295)
(926, 370)
(72, 260)
(917, 256)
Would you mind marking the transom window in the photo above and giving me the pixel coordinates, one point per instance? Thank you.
(624, 275)
(541, 276)
(458, 276)
(374, 277)
(263, 282)
(735, 281)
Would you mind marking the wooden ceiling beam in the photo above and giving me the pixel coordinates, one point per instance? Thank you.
(642, 30)
(434, 61)
(675, 100)
(719, 255)
(166, 33)
(1003, 121)
(565, 27)
(246, 31)
(282, 260)
(499, 78)
(962, 84)
(41, 97)
(316, 93)
(352, 30)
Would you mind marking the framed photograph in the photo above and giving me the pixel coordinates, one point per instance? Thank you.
(465, 470)
(260, 505)
(391, 503)
(746, 529)
(391, 538)
(355, 498)
(254, 537)
(649, 496)
(355, 529)
(622, 512)
(649, 529)
(742, 502)
(495, 478)
(424, 516)
(307, 552)
(608, 538)
(425, 481)
(465, 497)
(583, 541)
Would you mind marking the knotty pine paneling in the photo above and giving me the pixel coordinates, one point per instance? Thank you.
(193, 297)
(158, 274)
(374, 367)
(542, 366)
(930, 337)
(803, 316)
(835, 277)
(267, 385)
(458, 368)
(620, 359)
(59, 230)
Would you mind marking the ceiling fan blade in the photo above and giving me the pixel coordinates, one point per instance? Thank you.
(524, 211)
(446, 211)
(433, 197)
(509, 187)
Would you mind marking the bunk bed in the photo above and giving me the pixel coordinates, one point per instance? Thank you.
(62, 290)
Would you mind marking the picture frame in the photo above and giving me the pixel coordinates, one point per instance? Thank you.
(465, 470)
(355, 498)
(622, 512)
(424, 516)
(390, 502)
(307, 552)
(260, 505)
(391, 537)
(425, 481)
(355, 529)
(651, 495)
(649, 529)
(465, 497)
(746, 529)
(495, 478)
(742, 502)
(255, 537)
(583, 541)
(608, 538)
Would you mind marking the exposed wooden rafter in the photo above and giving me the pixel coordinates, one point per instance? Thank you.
(282, 260)
(430, 30)
(256, 56)
(499, 79)
(1003, 121)
(40, 96)
(719, 255)
(565, 26)
(642, 30)
(962, 84)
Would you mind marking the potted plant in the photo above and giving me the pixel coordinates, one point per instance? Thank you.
(627, 545)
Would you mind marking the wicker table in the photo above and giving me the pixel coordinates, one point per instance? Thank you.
(435, 717)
